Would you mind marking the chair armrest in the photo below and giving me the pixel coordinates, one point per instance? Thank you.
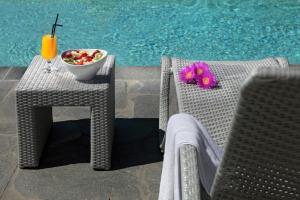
(190, 181)
(191, 188)
(164, 92)
(164, 97)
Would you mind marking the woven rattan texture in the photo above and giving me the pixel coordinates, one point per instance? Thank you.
(190, 182)
(215, 108)
(38, 91)
(164, 92)
(189, 169)
(262, 157)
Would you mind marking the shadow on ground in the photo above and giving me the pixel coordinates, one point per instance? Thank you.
(135, 143)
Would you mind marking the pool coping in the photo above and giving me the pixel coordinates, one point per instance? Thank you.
(135, 87)
(130, 72)
(122, 73)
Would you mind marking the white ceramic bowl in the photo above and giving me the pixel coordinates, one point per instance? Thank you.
(88, 71)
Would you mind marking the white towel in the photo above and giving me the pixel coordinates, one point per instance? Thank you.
(185, 129)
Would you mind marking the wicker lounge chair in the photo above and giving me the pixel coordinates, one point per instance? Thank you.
(214, 108)
(262, 154)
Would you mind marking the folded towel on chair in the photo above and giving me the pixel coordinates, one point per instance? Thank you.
(185, 129)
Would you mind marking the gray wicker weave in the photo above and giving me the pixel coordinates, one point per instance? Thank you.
(37, 92)
(215, 108)
(190, 183)
(262, 155)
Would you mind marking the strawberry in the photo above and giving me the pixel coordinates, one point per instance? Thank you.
(67, 55)
(95, 52)
(80, 62)
(89, 58)
(83, 55)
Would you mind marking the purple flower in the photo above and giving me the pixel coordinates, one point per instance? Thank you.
(200, 68)
(207, 81)
(187, 74)
(198, 72)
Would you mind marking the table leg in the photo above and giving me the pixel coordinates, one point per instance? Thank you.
(33, 125)
(101, 136)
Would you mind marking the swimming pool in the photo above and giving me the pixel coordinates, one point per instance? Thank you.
(139, 32)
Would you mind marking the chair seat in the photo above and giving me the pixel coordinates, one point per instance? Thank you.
(215, 108)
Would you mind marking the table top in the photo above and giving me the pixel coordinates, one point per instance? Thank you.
(36, 79)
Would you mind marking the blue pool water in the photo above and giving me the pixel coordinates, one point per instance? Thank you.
(139, 32)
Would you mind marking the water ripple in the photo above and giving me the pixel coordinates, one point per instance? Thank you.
(140, 32)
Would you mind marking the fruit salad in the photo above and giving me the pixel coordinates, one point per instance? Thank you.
(81, 57)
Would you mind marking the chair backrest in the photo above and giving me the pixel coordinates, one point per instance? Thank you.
(262, 156)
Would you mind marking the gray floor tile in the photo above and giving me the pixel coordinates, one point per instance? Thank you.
(146, 106)
(141, 87)
(64, 113)
(138, 73)
(3, 72)
(121, 94)
(7, 107)
(7, 160)
(65, 172)
(65, 182)
(6, 87)
(15, 73)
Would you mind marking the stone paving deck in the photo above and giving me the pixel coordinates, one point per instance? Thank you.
(64, 172)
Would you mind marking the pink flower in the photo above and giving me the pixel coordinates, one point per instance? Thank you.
(207, 81)
(198, 72)
(200, 68)
(187, 74)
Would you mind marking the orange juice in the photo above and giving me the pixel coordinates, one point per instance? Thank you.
(49, 47)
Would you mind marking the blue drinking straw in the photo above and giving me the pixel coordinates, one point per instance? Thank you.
(54, 26)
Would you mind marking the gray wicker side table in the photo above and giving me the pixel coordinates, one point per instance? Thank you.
(37, 92)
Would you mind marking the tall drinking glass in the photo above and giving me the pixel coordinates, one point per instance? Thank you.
(49, 51)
